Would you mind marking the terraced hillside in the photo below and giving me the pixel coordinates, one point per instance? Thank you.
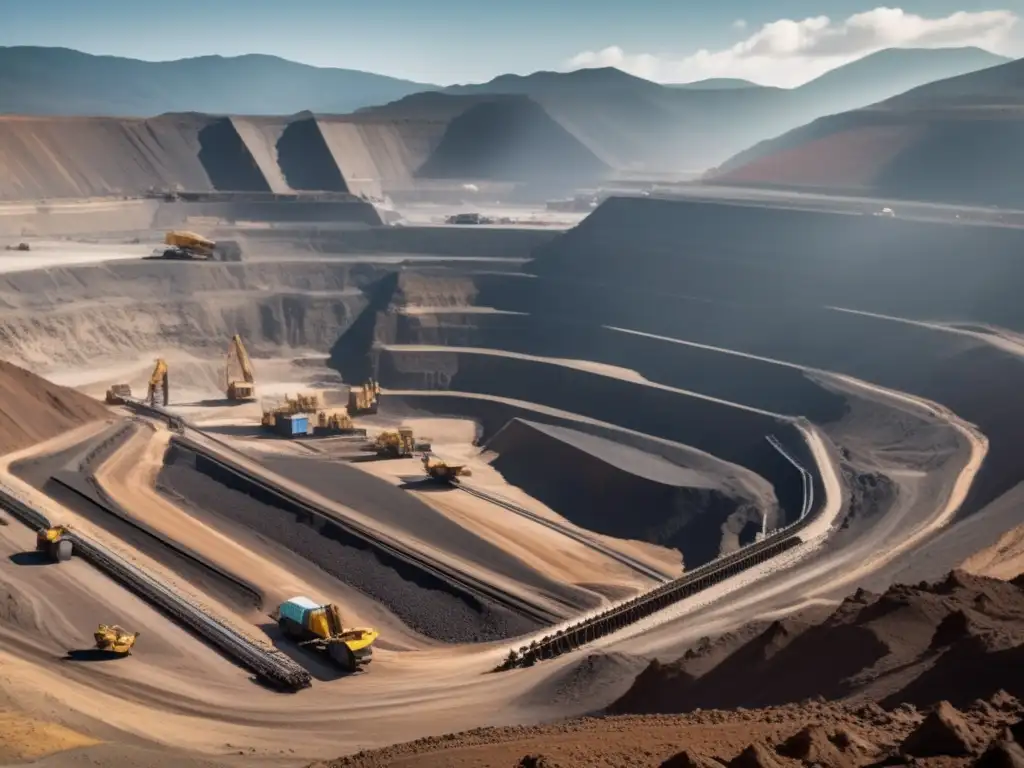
(79, 157)
(948, 141)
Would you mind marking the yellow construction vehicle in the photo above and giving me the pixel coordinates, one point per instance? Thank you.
(114, 639)
(188, 246)
(244, 388)
(336, 420)
(159, 387)
(54, 543)
(442, 471)
(397, 444)
(363, 400)
(303, 403)
(117, 394)
(319, 627)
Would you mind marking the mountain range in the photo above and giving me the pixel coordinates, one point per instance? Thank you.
(626, 121)
(957, 140)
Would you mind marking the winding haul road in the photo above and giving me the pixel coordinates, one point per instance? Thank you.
(155, 694)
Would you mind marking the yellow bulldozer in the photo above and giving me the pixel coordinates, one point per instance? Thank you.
(394, 444)
(442, 471)
(319, 627)
(363, 400)
(54, 543)
(112, 638)
(242, 386)
(159, 385)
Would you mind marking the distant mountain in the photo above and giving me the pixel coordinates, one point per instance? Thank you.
(958, 140)
(59, 81)
(716, 84)
(632, 123)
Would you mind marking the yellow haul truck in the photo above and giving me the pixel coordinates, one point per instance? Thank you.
(319, 627)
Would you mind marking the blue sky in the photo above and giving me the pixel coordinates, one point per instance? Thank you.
(446, 41)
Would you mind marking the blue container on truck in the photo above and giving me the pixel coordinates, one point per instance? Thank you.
(292, 426)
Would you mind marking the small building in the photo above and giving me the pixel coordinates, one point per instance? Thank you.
(292, 425)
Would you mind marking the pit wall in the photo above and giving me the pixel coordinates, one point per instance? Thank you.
(731, 434)
(125, 310)
(925, 269)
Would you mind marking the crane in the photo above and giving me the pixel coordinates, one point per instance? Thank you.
(158, 383)
(239, 389)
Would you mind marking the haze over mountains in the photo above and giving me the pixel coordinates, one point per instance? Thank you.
(958, 140)
(625, 121)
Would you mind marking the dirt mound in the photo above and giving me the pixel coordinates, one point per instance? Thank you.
(591, 682)
(813, 733)
(512, 139)
(960, 639)
(590, 480)
(33, 410)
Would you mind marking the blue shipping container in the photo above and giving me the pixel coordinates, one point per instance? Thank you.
(290, 426)
(297, 608)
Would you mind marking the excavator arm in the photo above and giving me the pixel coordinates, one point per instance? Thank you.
(239, 389)
(158, 382)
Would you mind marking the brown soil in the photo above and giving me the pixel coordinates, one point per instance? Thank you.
(812, 733)
(929, 673)
(32, 409)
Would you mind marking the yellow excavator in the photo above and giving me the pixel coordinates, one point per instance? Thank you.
(54, 543)
(319, 627)
(244, 388)
(159, 387)
(114, 639)
(396, 444)
(363, 400)
(442, 471)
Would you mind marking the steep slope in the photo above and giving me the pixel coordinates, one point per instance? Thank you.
(82, 157)
(58, 81)
(33, 410)
(956, 140)
(512, 139)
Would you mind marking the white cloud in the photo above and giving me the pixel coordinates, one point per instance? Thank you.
(739, 24)
(789, 52)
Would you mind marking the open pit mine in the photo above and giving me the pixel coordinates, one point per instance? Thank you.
(360, 483)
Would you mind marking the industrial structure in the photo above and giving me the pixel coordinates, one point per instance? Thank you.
(394, 444)
(319, 627)
(242, 386)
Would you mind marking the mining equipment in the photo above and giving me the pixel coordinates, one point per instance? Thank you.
(54, 543)
(303, 403)
(442, 471)
(118, 393)
(188, 246)
(114, 639)
(159, 387)
(245, 388)
(319, 627)
(395, 444)
(363, 400)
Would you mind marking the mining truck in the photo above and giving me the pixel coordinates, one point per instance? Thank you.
(319, 628)
(114, 639)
